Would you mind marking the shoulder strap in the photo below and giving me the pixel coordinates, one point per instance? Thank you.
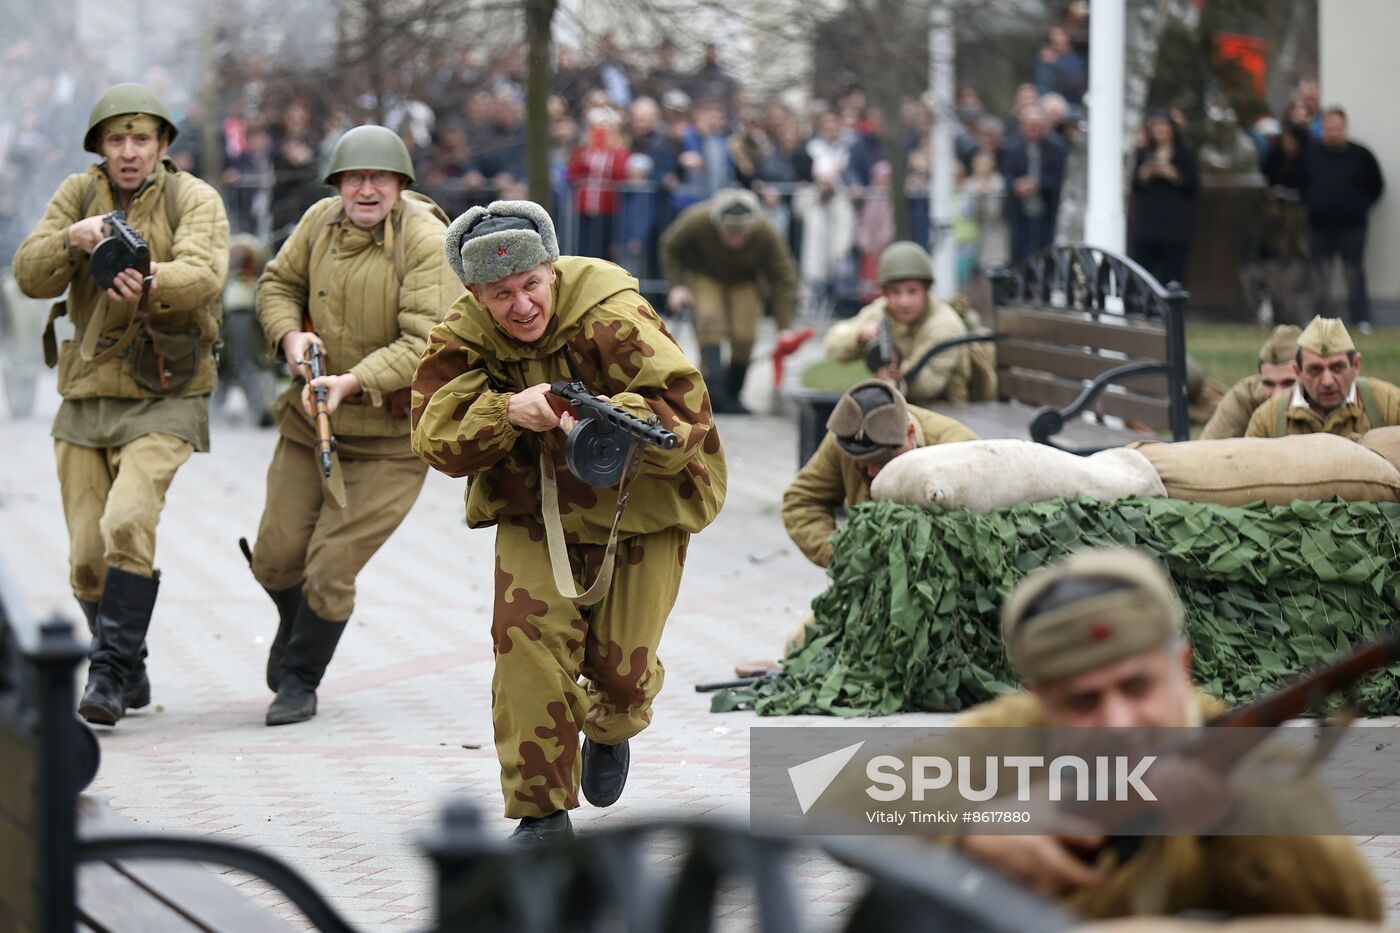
(1281, 428)
(1368, 402)
(172, 198)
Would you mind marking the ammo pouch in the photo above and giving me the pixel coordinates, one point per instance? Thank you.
(164, 362)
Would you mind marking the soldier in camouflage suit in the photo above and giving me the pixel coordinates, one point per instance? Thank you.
(480, 410)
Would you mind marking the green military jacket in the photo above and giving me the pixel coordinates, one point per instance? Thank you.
(1351, 419)
(945, 377)
(691, 246)
(191, 260)
(831, 480)
(1240, 402)
(373, 297)
(1236, 875)
(605, 335)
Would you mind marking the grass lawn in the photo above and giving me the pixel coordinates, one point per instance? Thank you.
(1229, 351)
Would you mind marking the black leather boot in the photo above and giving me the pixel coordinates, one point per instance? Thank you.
(716, 379)
(604, 772)
(309, 651)
(534, 830)
(738, 372)
(122, 618)
(286, 602)
(138, 685)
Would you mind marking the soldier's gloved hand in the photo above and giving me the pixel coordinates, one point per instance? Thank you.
(294, 349)
(127, 285)
(679, 297)
(337, 389)
(85, 234)
(529, 409)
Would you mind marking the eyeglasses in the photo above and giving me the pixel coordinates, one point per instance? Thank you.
(356, 179)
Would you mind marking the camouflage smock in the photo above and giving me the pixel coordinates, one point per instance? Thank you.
(604, 334)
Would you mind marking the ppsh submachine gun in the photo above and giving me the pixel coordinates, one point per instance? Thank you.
(600, 448)
(881, 351)
(123, 248)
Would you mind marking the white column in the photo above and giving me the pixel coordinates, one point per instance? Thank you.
(1104, 222)
(941, 85)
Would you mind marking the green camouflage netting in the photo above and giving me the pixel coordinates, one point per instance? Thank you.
(910, 620)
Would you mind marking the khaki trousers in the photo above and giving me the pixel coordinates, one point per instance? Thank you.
(304, 535)
(727, 312)
(112, 500)
(544, 645)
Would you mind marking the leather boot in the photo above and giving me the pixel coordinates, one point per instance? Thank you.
(122, 618)
(716, 379)
(138, 685)
(286, 602)
(604, 772)
(534, 830)
(738, 372)
(309, 651)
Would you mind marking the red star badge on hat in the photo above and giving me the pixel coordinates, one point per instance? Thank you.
(501, 251)
(1099, 630)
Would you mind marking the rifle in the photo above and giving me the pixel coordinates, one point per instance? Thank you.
(600, 448)
(881, 351)
(325, 440)
(739, 682)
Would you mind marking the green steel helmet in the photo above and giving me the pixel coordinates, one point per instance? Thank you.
(370, 147)
(903, 260)
(126, 98)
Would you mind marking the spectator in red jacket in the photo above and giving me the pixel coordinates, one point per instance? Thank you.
(596, 170)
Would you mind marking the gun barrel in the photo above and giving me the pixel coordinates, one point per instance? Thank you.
(648, 432)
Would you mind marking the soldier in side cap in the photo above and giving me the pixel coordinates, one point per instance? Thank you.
(1277, 373)
(362, 277)
(1331, 396)
(1097, 642)
(136, 380)
(724, 258)
(564, 665)
(870, 426)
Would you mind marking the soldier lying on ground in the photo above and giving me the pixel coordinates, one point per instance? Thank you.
(136, 380)
(364, 269)
(1331, 395)
(1097, 640)
(481, 409)
(1277, 373)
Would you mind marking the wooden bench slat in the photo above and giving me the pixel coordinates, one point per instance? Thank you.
(17, 892)
(1072, 363)
(112, 902)
(1047, 390)
(198, 893)
(1137, 338)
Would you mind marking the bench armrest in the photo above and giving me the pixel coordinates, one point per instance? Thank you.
(913, 372)
(1048, 421)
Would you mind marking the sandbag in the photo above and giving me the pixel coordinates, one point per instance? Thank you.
(1278, 470)
(1384, 441)
(978, 476)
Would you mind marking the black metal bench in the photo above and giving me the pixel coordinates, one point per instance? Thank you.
(70, 863)
(1077, 329)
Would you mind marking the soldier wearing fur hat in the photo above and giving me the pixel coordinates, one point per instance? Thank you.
(565, 664)
(917, 321)
(136, 380)
(1276, 374)
(870, 426)
(1097, 640)
(1331, 396)
(724, 258)
(363, 278)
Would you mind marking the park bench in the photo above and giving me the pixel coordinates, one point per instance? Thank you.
(69, 862)
(1077, 330)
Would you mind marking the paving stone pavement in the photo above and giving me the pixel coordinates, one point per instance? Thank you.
(404, 722)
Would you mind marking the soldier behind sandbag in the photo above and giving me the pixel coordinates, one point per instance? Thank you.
(243, 357)
(1276, 374)
(481, 409)
(365, 269)
(135, 393)
(1331, 395)
(1097, 640)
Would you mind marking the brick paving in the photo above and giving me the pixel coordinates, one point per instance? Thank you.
(404, 722)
